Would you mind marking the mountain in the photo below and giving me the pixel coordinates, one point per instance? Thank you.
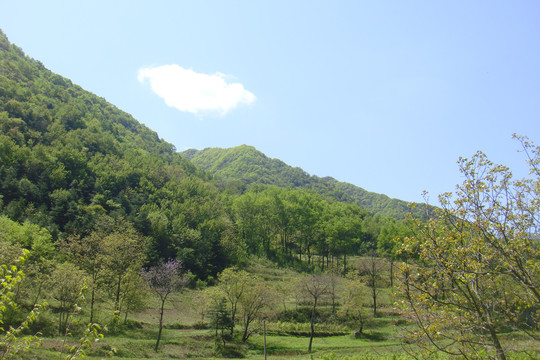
(77, 166)
(68, 158)
(249, 165)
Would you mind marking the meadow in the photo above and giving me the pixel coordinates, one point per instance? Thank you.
(187, 333)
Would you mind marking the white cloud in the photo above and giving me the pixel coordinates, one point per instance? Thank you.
(197, 93)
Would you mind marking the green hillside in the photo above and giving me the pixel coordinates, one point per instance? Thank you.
(71, 162)
(69, 158)
(247, 164)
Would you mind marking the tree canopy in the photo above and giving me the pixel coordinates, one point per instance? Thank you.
(477, 272)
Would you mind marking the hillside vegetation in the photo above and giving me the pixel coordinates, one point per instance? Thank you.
(248, 165)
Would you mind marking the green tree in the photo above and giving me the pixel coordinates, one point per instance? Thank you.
(245, 211)
(233, 283)
(13, 238)
(343, 229)
(220, 319)
(256, 297)
(207, 299)
(88, 253)
(389, 242)
(308, 215)
(29, 236)
(123, 250)
(352, 300)
(134, 296)
(66, 284)
(478, 267)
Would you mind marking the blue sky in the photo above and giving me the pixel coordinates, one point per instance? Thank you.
(386, 95)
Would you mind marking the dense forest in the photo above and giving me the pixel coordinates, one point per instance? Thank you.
(247, 165)
(96, 209)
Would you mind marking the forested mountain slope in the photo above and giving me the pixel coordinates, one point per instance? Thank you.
(249, 165)
(68, 157)
(79, 168)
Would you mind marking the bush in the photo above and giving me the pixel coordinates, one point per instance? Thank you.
(132, 324)
(199, 325)
(176, 326)
(230, 351)
(304, 329)
(45, 324)
(370, 335)
(300, 315)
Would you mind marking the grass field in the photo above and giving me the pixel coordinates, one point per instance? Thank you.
(189, 343)
(180, 340)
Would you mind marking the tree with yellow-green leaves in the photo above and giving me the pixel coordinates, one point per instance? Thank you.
(257, 297)
(66, 284)
(475, 266)
(233, 283)
(123, 252)
(12, 340)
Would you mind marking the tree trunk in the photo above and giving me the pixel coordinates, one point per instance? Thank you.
(264, 332)
(233, 316)
(38, 294)
(160, 324)
(392, 274)
(60, 322)
(245, 336)
(92, 301)
(312, 325)
(117, 301)
(374, 294)
(495, 339)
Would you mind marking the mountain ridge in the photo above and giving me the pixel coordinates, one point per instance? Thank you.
(247, 164)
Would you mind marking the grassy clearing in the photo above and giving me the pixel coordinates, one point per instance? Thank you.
(286, 338)
(200, 344)
(137, 343)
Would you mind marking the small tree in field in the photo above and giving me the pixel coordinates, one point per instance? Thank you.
(233, 283)
(371, 269)
(352, 297)
(314, 288)
(477, 272)
(163, 280)
(220, 319)
(255, 299)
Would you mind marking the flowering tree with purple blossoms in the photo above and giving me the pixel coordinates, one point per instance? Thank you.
(163, 279)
